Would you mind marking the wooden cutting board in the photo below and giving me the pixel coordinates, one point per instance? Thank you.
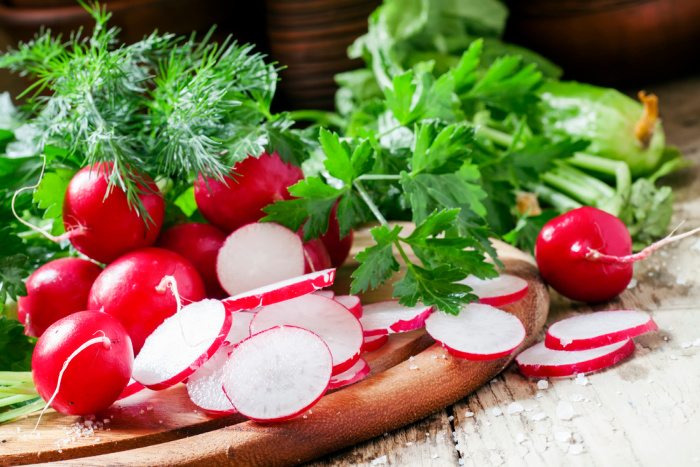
(165, 428)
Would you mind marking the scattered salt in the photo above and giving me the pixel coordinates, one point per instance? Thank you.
(696, 246)
(576, 397)
(519, 438)
(632, 284)
(386, 434)
(469, 414)
(305, 416)
(160, 421)
(542, 384)
(149, 407)
(565, 411)
(563, 436)
(450, 418)
(581, 380)
(143, 411)
(539, 416)
(670, 328)
(539, 394)
(575, 449)
(618, 392)
(379, 460)
(514, 408)
(685, 345)
(433, 456)
(106, 420)
(409, 444)
(650, 380)
(696, 342)
(461, 461)
(413, 367)
(681, 279)
(496, 412)
(434, 357)
(410, 359)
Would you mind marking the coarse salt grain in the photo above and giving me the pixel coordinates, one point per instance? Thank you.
(519, 438)
(575, 449)
(413, 367)
(379, 460)
(433, 456)
(632, 284)
(576, 397)
(450, 418)
(539, 416)
(581, 380)
(565, 411)
(469, 414)
(496, 412)
(514, 408)
(563, 436)
(409, 443)
(542, 384)
(696, 342)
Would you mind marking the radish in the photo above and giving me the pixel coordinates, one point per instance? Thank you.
(316, 256)
(255, 183)
(325, 293)
(102, 225)
(277, 374)
(375, 342)
(598, 329)
(338, 248)
(259, 254)
(390, 316)
(205, 386)
(199, 244)
(540, 361)
(351, 302)
(281, 291)
(131, 388)
(352, 375)
(498, 291)
(478, 332)
(82, 362)
(586, 254)
(330, 320)
(127, 289)
(54, 291)
(183, 343)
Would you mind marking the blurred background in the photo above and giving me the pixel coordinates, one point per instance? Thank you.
(620, 43)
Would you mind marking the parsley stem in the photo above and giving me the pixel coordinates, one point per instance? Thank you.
(378, 177)
(368, 200)
(390, 130)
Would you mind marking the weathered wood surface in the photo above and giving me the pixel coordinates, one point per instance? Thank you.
(644, 411)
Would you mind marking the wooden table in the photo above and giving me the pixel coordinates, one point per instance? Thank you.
(644, 411)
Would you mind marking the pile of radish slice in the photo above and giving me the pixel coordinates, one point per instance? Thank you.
(273, 352)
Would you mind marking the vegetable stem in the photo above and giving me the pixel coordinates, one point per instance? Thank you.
(367, 199)
(378, 177)
(39, 404)
(319, 117)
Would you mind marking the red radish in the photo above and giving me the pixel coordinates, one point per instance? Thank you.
(352, 375)
(540, 361)
(127, 289)
(390, 316)
(316, 256)
(376, 342)
(54, 291)
(478, 332)
(330, 320)
(598, 329)
(277, 374)
(259, 254)
(205, 386)
(352, 303)
(88, 357)
(256, 182)
(325, 293)
(498, 291)
(102, 225)
(338, 248)
(131, 388)
(586, 254)
(183, 343)
(199, 244)
(281, 291)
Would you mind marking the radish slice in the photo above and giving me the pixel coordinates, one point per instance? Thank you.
(131, 388)
(278, 373)
(205, 386)
(593, 330)
(478, 332)
(281, 291)
(499, 291)
(352, 303)
(538, 360)
(259, 254)
(326, 293)
(354, 374)
(330, 320)
(182, 344)
(389, 316)
(375, 342)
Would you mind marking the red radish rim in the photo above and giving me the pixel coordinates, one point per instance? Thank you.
(490, 291)
(554, 342)
(281, 291)
(132, 388)
(383, 317)
(619, 352)
(351, 302)
(372, 343)
(350, 376)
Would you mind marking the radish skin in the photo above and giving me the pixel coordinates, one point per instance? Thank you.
(376, 342)
(352, 303)
(352, 375)
(390, 316)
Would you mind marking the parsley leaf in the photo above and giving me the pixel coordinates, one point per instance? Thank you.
(15, 348)
(376, 262)
(436, 287)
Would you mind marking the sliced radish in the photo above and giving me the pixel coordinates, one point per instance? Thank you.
(478, 332)
(598, 329)
(278, 373)
(375, 342)
(281, 291)
(205, 386)
(538, 360)
(131, 388)
(352, 375)
(389, 316)
(259, 254)
(327, 318)
(326, 293)
(499, 291)
(351, 302)
(182, 344)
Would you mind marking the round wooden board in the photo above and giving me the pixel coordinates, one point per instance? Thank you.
(165, 428)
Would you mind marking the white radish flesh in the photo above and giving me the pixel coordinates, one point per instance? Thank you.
(281, 291)
(259, 254)
(540, 361)
(598, 329)
(478, 332)
(326, 293)
(330, 320)
(351, 302)
(499, 291)
(278, 373)
(390, 316)
(375, 342)
(182, 344)
(352, 375)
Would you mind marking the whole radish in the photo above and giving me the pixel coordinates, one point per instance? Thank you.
(199, 244)
(88, 357)
(338, 247)
(256, 182)
(54, 291)
(316, 257)
(128, 290)
(586, 254)
(102, 225)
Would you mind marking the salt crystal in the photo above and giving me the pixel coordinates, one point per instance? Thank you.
(539, 394)
(528, 409)
(565, 411)
(681, 279)
(97, 439)
(696, 246)
(696, 342)
(519, 438)
(514, 408)
(409, 444)
(88, 423)
(469, 414)
(433, 456)
(581, 380)
(461, 461)
(386, 434)
(410, 359)
(149, 407)
(450, 418)
(305, 416)
(650, 380)
(632, 284)
(379, 460)
(576, 397)
(142, 411)
(413, 367)
(575, 449)
(542, 384)
(434, 357)
(665, 338)
(618, 392)
(310, 412)
(670, 328)
(563, 436)
(496, 412)
(539, 416)
(427, 434)
(487, 423)
(685, 345)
